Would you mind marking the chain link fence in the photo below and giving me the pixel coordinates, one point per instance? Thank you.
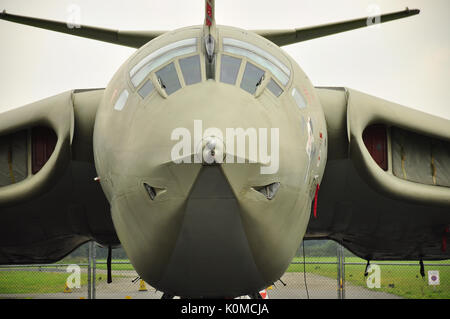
(320, 270)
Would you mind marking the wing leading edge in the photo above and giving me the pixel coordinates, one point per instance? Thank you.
(370, 205)
(49, 201)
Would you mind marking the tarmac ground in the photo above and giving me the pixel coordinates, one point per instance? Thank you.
(123, 287)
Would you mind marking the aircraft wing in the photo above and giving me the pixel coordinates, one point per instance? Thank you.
(49, 201)
(385, 193)
(134, 39)
(290, 36)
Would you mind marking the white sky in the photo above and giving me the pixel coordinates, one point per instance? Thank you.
(405, 61)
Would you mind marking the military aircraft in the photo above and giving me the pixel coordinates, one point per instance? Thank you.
(210, 156)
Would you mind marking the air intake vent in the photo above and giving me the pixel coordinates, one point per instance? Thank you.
(153, 191)
(375, 139)
(269, 191)
(43, 142)
(150, 190)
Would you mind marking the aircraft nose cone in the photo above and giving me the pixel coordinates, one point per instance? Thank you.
(212, 249)
(209, 223)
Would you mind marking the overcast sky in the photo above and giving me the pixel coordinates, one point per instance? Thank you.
(406, 61)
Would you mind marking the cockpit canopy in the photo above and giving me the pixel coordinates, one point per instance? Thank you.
(182, 63)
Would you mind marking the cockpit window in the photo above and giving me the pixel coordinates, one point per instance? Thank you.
(299, 99)
(190, 67)
(121, 101)
(273, 87)
(168, 78)
(259, 56)
(146, 89)
(252, 78)
(229, 69)
(178, 61)
(159, 57)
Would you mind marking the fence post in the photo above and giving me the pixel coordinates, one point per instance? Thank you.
(89, 270)
(340, 271)
(338, 256)
(93, 270)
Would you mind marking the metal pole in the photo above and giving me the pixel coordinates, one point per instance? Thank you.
(338, 255)
(89, 270)
(340, 271)
(93, 270)
(343, 271)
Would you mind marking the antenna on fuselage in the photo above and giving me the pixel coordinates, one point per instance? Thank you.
(210, 36)
(209, 13)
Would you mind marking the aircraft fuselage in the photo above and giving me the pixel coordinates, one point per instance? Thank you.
(210, 156)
